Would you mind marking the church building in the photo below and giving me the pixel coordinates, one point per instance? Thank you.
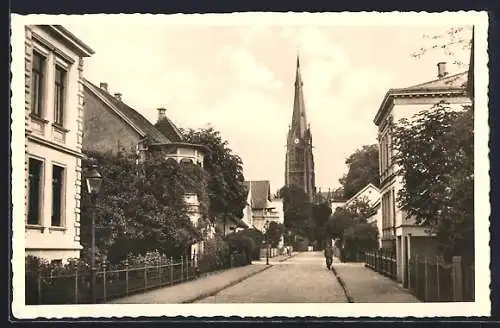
(299, 166)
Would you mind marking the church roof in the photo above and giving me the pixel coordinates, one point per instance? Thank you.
(261, 193)
(138, 122)
(299, 117)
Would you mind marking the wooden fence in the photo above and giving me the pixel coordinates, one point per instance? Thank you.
(383, 262)
(75, 288)
(429, 278)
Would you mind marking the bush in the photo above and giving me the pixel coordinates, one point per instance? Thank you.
(239, 243)
(257, 238)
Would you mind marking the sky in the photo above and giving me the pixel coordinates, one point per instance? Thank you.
(240, 80)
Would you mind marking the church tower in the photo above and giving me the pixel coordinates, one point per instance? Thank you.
(299, 162)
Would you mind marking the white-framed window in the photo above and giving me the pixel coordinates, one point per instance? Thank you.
(35, 191)
(58, 196)
(38, 70)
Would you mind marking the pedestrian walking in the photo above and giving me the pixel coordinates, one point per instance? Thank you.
(329, 256)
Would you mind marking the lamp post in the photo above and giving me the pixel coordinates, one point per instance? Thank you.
(94, 181)
(266, 227)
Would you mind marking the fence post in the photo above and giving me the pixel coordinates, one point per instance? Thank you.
(76, 286)
(437, 279)
(426, 280)
(158, 269)
(187, 267)
(104, 279)
(416, 274)
(126, 277)
(171, 270)
(145, 275)
(457, 279)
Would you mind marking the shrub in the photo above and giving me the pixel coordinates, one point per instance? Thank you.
(239, 243)
(257, 238)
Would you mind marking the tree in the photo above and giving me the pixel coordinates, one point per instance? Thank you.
(321, 213)
(297, 211)
(226, 188)
(435, 156)
(274, 232)
(141, 207)
(450, 42)
(349, 226)
(363, 169)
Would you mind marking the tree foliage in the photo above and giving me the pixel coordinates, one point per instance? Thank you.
(451, 42)
(435, 156)
(297, 211)
(321, 213)
(141, 208)
(274, 232)
(363, 169)
(349, 226)
(226, 189)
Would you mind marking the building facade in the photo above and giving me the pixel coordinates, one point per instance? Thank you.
(400, 233)
(299, 161)
(110, 125)
(54, 60)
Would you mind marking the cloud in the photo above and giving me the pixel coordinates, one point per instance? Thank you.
(248, 70)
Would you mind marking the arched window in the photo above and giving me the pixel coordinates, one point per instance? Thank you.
(171, 161)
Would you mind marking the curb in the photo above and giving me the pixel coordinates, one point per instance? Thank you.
(283, 260)
(218, 290)
(343, 285)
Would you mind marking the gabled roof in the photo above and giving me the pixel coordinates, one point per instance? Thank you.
(261, 193)
(129, 115)
(450, 85)
(453, 81)
(370, 185)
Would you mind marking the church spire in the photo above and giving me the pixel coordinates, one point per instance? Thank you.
(299, 119)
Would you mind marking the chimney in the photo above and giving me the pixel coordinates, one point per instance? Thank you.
(118, 96)
(104, 86)
(442, 69)
(161, 113)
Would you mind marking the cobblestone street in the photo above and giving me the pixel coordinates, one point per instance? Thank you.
(303, 278)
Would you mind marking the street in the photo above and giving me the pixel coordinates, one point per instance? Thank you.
(303, 278)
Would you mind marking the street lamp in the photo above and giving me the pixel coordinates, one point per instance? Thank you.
(94, 181)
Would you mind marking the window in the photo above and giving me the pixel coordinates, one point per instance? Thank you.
(59, 95)
(35, 184)
(57, 195)
(37, 73)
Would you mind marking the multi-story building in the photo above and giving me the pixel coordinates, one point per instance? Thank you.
(400, 233)
(54, 124)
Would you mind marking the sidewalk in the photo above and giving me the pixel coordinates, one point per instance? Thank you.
(364, 285)
(193, 290)
(276, 259)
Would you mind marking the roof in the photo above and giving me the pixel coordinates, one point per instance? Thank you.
(452, 84)
(70, 38)
(261, 193)
(130, 115)
(168, 129)
(370, 185)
